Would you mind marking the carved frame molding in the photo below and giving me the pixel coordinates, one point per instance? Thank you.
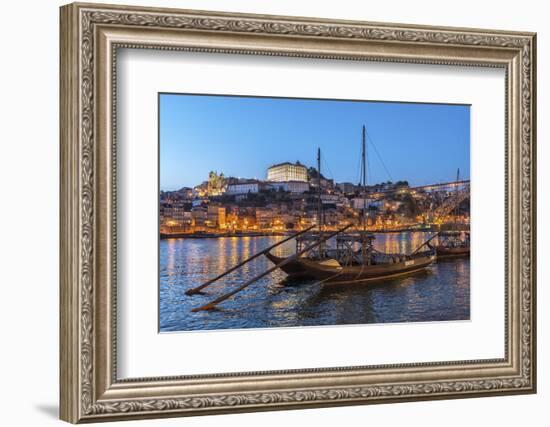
(90, 37)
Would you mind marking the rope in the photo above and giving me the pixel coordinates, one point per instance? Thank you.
(330, 174)
(378, 155)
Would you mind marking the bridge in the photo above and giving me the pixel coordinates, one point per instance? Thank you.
(450, 204)
(443, 186)
(460, 191)
(449, 186)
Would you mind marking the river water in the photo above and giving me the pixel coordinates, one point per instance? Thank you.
(440, 293)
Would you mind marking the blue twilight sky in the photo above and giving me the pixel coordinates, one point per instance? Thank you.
(243, 136)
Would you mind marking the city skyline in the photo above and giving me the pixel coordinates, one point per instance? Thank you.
(243, 136)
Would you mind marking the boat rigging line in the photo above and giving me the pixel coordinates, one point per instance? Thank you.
(379, 156)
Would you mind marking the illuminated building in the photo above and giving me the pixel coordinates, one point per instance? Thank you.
(264, 217)
(174, 213)
(199, 216)
(216, 216)
(283, 172)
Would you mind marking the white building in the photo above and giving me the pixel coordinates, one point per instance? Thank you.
(296, 187)
(284, 172)
(243, 188)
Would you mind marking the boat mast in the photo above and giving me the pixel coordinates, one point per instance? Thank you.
(364, 171)
(364, 218)
(456, 191)
(319, 210)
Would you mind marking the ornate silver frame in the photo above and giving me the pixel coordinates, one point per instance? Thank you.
(90, 36)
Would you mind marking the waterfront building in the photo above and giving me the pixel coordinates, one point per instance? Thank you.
(216, 216)
(284, 172)
(264, 217)
(232, 220)
(309, 218)
(199, 216)
(173, 213)
(247, 222)
(289, 221)
(188, 219)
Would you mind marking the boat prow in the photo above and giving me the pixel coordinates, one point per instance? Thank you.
(293, 268)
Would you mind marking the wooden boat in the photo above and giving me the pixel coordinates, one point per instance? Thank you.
(355, 260)
(452, 245)
(332, 272)
(347, 264)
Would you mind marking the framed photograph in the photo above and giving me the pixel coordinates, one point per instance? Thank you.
(266, 212)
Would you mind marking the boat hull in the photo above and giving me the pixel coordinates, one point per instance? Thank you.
(293, 268)
(443, 252)
(364, 274)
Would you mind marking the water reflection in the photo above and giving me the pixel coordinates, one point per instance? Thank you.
(440, 293)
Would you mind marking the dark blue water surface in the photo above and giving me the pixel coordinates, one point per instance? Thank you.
(442, 292)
